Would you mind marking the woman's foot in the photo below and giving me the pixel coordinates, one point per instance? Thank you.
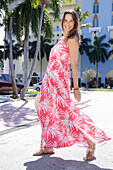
(44, 151)
(90, 151)
(38, 153)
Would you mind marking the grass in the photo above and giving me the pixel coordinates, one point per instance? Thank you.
(30, 87)
(32, 92)
(96, 89)
(84, 89)
(29, 98)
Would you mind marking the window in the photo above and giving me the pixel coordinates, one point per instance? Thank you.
(57, 28)
(7, 77)
(112, 20)
(96, 7)
(112, 5)
(95, 21)
(95, 12)
(112, 14)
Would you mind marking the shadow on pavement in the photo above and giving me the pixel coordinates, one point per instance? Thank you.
(13, 116)
(54, 163)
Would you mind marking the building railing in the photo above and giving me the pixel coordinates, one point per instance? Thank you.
(74, 2)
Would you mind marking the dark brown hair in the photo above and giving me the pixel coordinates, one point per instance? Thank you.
(75, 30)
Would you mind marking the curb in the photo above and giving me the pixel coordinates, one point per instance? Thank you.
(7, 98)
(36, 122)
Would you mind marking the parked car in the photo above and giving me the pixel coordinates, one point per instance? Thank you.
(37, 86)
(6, 84)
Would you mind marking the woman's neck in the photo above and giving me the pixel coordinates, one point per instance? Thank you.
(65, 35)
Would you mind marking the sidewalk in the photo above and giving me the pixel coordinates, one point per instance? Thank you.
(17, 147)
(14, 113)
(5, 98)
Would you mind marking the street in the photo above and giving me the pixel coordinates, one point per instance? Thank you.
(20, 137)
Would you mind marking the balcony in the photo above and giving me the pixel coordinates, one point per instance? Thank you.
(74, 2)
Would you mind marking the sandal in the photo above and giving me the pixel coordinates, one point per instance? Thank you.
(39, 153)
(90, 153)
(44, 151)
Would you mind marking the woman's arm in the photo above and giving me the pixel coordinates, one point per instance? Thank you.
(73, 52)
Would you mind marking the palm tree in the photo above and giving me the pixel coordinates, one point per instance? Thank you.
(54, 5)
(25, 15)
(1, 16)
(45, 45)
(31, 20)
(47, 32)
(15, 49)
(98, 53)
(4, 16)
(83, 17)
(1, 58)
(1, 52)
(84, 46)
(41, 3)
(111, 51)
(45, 48)
(5, 5)
(15, 93)
(20, 14)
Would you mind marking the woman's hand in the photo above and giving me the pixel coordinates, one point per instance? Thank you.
(77, 95)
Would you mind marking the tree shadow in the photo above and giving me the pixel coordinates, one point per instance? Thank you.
(54, 163)
(15, 116)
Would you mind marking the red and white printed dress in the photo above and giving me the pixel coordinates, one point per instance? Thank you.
(62, 123)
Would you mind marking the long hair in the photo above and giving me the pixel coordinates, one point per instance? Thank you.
(75, 30)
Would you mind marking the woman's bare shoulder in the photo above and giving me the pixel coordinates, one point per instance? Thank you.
(72, 41)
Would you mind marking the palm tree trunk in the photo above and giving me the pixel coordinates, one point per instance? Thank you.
(4, 47)
(22, 95)
(40, 59)
(96, 74)
(26, 53)
(15, 93)
(87, 84)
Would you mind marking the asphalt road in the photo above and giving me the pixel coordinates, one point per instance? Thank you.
(18, 143)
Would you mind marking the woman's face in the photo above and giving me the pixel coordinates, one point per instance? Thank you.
(68, 23)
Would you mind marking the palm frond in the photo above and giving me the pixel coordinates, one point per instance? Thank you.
(35, 3)
(110, 53)
(35, 19)
(101, 38)
(85, 15)
(55, 7)
(99, 49)
(106, 45)
(47, 27)
(87, 25)
(111, 41)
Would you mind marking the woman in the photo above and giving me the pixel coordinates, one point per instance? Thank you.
(62, 123)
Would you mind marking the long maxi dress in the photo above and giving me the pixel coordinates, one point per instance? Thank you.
(62, 123)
